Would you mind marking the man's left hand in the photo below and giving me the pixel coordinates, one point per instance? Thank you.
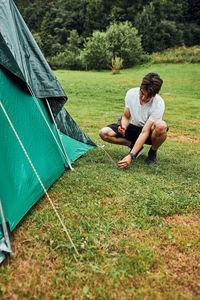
(125, 162)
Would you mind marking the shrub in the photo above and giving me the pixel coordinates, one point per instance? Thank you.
(123, 41)
(96, 54)
(120, 41)
(117, 64)
(178, 55)
(65, 60)
(70, 58)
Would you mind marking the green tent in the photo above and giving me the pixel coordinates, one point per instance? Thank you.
(35, 129)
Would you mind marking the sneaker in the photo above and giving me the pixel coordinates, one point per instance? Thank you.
(151, 159)
(142, 150)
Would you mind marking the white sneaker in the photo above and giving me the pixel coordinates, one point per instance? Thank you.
(142, 150)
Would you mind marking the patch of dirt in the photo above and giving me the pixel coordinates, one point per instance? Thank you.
(196, 122)
(177, 271)
(188, 220)
(185, 139)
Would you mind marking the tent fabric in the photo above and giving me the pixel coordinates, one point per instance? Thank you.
(67, 125)
(20, 54)
(19, 187)
(24, 71)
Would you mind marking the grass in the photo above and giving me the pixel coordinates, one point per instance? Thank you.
(137, 230)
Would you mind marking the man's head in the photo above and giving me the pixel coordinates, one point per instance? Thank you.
(151, 84)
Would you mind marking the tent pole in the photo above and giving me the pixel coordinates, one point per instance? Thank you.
(36, 102)
(54, 121)
(4, 226)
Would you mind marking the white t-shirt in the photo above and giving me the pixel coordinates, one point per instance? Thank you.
(152, 110)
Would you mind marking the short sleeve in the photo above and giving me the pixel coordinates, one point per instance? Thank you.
(130, 97)
(127, 99)
(157, 110)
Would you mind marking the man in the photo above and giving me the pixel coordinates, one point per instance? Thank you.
(145, 108)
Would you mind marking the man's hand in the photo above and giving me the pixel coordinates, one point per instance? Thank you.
(121, 130)
(125, 162)
(124, 121)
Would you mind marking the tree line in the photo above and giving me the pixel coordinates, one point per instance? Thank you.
(74, 27)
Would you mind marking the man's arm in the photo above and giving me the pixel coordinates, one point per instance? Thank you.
(124, 121)
(125, 162)
(142, 137)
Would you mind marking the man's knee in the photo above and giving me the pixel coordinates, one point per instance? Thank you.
(101, 133)
(104, 133)
(160, 127)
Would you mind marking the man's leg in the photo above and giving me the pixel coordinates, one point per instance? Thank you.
(158, 136)
(110, 136)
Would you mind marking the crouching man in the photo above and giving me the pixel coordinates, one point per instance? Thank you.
(145, 108)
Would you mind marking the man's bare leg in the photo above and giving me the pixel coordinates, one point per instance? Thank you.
(108, 135)
(159, 134)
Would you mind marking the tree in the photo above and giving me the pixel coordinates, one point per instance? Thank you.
(193, 13)
(158, 33)
(33, 12)
(74, 41)
(123, 41)
(96, 54)
(120, 40)
(95, 17)
(160, 23)
(46, 35)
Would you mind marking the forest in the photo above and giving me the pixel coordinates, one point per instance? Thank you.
(64, 28)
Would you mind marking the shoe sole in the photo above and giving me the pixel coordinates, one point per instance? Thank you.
(141, 152)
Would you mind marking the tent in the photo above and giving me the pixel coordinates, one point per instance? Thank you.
(36, 132)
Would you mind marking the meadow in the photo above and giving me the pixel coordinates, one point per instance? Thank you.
(137, 229)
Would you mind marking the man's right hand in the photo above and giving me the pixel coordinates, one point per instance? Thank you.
(121, 130)
(124, 121)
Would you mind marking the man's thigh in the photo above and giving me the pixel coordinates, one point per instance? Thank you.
(132, 133)
(114, 128)
(110, 131)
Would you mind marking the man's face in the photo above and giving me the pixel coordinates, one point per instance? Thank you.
(144, 98)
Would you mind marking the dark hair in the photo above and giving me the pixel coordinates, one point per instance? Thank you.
(152, 84)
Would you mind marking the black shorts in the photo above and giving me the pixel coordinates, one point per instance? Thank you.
(131, 133)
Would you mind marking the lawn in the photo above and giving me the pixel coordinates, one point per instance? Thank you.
(137, 230)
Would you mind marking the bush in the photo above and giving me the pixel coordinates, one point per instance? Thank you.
(123, 41)
(120, 40)
(96, 54)
(65, 60)
(70, 58)
(178, 55)
(117, 64)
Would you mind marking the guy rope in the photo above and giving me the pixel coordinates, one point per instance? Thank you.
(38, 177)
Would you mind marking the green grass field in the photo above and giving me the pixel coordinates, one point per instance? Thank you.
(137, 230)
